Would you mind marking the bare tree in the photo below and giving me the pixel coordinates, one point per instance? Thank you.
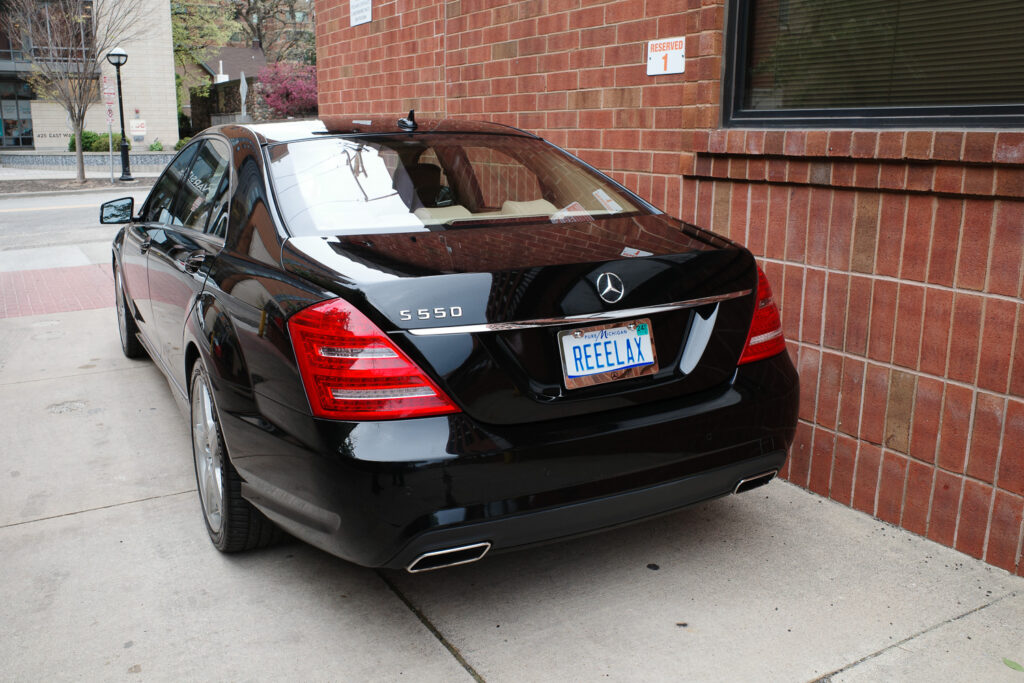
(283, 29)
(65, 42)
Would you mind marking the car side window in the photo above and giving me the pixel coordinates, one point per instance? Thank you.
(201, 197)
(161, 199)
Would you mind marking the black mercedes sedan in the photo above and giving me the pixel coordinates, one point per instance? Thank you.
(411, 343)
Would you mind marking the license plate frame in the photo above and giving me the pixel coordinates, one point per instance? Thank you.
(574, 380)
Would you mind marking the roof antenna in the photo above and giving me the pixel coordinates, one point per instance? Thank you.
(410, 122)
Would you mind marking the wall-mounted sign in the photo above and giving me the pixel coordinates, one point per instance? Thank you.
(359, 12)
(666, 56)
(137, 127)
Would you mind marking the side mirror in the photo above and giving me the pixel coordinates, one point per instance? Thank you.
(117, 210)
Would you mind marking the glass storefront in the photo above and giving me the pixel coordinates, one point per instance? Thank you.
(15, 113)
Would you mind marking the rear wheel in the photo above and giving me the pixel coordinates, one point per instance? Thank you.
(232, 522)
(130, 344)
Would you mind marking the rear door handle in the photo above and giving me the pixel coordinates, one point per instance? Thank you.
(194, 261)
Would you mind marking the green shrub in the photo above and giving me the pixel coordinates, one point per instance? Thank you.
(181, 143)
(88, 139)
(101, 144)
(156, 146)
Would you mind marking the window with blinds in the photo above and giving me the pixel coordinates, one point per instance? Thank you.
(882, 61)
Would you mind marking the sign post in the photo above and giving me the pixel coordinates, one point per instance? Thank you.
(108, 100)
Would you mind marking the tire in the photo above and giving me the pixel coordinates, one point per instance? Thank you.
(126, 327)
(233, 523)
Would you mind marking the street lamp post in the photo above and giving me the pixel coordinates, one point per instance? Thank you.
(118, 57)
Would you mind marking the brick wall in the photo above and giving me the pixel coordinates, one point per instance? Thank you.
(895, 255)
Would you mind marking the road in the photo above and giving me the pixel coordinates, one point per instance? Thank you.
(108, 573)
(54, 220)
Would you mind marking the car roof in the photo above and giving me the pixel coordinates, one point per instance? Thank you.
(288, 131)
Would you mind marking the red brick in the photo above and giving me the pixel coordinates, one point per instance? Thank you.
(996, 342)
(837, 287)
(864, 144)
(938, 317)
(918, 145)
(920, 177)
(1017, 370)
(829, 381)
(796, 229)
(810, 365)
(821, 462)
(839, 142)
(1011, 459)
(964, 335)
(1009, 148)
(949, 179)
(948, 145)
(892, 176)
(972, 268)
(1010, 182)
(851, 391)
(866, 174)
(774, 142)
(945, 239)
(979, 146)
(956, 421)
(890, 487)
(865, 484)
(978, 180)
(843, 462)
(883, 320)
(917, 242)
(918, 497)
(985, 435)
(800, 454)
(890, 234)
(840, 231)
(970, 532)
(1007, 249)
(818, 226)
(814, 301)
(890, 145)
(778, 213)
(792, 300)
(872, 421)
(816, 143)
(1005, 531)
(909, 311)
(927, 414)
(945, 508)
(842, 173)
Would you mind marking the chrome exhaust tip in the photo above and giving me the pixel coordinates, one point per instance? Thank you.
(755, 481)
(449, 557)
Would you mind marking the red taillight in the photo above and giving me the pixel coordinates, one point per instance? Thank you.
(765, 338)
(352, 371)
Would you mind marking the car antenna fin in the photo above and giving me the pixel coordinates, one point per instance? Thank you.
(408, 123)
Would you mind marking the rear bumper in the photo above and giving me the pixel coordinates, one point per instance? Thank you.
(590, 516)
(383, 493)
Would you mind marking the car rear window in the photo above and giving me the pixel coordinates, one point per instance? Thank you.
(336, 185)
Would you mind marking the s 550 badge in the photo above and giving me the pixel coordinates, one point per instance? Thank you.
(431, 313)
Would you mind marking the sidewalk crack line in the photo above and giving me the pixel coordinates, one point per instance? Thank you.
(828, 677)
(430, 627)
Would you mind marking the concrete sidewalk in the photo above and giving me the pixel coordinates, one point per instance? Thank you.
(108, 573)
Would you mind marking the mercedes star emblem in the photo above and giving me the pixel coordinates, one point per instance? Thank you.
(610, 287)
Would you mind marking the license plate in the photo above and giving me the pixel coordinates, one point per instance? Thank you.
(607, 353)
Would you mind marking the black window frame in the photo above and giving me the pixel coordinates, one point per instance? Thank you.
(737, 24)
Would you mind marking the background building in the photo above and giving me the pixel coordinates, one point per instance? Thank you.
(870, 154)
(147, 79)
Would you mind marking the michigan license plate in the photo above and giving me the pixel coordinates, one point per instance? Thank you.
(607, 353)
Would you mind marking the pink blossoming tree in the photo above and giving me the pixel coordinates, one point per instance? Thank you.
(289, 89)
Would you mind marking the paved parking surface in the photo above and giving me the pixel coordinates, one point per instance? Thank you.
(108, 573)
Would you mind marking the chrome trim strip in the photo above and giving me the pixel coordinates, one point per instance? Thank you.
(583, 319)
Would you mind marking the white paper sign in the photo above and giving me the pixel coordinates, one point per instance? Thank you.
(666, 56)
(360, 12)
(137, 127)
